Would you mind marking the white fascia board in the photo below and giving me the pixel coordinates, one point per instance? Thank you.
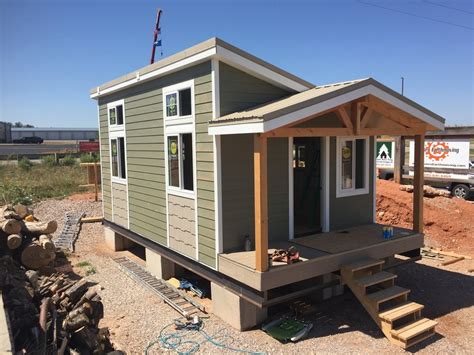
(255, 127)
(181, 64)
(295, 116)
(258, 70)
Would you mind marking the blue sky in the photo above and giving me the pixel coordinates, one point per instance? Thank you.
(54, 51)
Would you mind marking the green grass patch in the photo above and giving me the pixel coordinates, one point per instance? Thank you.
(21, 184)
(88, 267)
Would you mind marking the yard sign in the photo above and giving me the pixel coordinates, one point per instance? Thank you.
(444, 154)
(385, 154)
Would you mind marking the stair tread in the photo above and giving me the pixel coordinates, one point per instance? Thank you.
(387, 294)
(374, 279)
(400, 311)
(414, 328)
(363, 264)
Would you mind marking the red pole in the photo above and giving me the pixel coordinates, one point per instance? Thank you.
(155, 36)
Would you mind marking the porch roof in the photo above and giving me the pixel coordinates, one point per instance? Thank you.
(296, 107)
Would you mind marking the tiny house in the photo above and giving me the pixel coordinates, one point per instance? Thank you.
(212, 147)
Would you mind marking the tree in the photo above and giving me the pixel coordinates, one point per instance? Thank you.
(21, 125)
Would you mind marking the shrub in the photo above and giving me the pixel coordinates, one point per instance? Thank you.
(25, 164)
(49, 160)
(69, 160)
(89, 158)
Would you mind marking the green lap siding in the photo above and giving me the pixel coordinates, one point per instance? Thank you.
(144, 129)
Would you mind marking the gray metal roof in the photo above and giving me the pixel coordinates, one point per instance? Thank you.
(196, 49)
(308, 98)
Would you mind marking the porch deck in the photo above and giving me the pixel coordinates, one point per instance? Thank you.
(321, 254)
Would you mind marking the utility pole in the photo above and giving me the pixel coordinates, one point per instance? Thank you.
(403, 84)
(156, 33)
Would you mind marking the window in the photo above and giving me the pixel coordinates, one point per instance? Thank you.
(179, 103)
(180, 161)
(352, 166)
(117, 153)
(115, 114)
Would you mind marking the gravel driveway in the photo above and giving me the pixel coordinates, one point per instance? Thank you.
(135, 316)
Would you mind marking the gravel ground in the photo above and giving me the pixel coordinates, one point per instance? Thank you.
(135, 316)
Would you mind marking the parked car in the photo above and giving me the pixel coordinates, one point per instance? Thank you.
(29, 140)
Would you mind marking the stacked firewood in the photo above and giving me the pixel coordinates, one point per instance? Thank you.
(52, 314)
(28, 239)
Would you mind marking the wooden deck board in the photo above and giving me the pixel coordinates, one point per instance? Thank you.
(240, 265)
(350, 238)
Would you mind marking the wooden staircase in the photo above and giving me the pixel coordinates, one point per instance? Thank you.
(399, 319)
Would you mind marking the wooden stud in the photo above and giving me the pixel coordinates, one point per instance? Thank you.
(418, 183)
(394, 114)
(261, 202)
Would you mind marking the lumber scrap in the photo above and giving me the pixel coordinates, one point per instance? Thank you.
(92, 219)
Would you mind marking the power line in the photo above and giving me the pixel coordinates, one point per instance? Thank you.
(449, 7)
(415, 15)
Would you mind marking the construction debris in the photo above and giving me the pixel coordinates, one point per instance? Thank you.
(70, 232)
(428, 191)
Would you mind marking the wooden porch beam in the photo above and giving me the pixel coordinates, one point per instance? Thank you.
(394, 114)
(364, 119)
(355, 116)
(344, 117)
(391, 131)
(418, 183)
(261, 201)
(308, 132)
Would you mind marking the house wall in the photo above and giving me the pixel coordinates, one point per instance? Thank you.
(238, 191)
(182, 225)
(240, 91)
(145, 158)
(119, 198)
(350, 211)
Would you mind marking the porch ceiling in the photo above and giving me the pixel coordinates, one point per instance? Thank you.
(368, 95)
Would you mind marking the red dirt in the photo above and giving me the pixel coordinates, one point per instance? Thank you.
(449, 222)
(87, 196)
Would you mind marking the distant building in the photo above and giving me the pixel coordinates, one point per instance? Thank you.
(5, 132)
(56, 134)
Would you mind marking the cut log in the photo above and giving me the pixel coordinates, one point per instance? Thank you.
(46, 242)
(21, 210)
(38, 228)
(10, 226)
(75, 292)
(14, 241)
(34, 256)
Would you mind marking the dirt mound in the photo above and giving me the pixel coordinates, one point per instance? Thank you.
(449, 222)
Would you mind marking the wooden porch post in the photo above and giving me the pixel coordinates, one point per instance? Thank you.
(261, 201)
(399, 160)
(418, 183)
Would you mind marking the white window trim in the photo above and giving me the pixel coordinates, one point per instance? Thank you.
(116, 135)
(353, 191)
(173, 190)
(116, 127)
(176, 120)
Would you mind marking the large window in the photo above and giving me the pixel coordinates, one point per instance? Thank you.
(115, 114)
(117, 154)
(352, 166)
(178, 103)
(180, 161)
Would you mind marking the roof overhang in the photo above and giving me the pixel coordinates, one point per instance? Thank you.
(332, 100)
(211, 49)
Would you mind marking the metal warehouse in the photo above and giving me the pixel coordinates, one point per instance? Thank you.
(56, 134)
